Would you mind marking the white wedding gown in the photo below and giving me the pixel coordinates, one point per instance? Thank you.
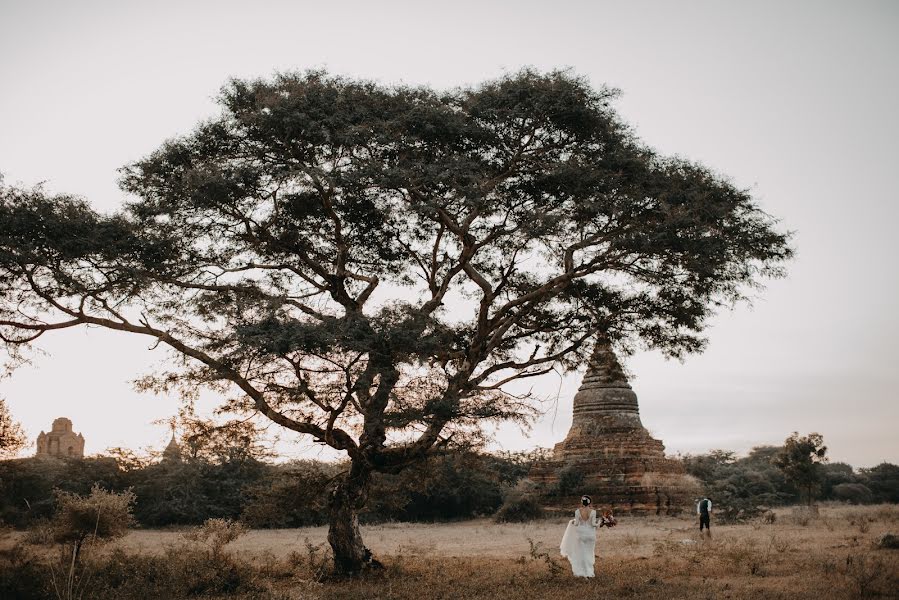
(579, 544)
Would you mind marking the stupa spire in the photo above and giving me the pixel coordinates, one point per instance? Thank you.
(605, 392)
(172, 452)
(603, 368)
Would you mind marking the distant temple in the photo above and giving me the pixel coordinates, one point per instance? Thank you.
(608, 452)
(61, 441)
(172, 452)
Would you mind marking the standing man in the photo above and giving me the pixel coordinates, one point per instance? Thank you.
(704, 509)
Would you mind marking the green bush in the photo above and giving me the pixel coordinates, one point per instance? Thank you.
(455, 485)
(289, 495)
(571, 480)
(452, 486)
(27, 485)
(519, 510)
(856, 493)
(741, 488)
(883, 481)
(188, 493)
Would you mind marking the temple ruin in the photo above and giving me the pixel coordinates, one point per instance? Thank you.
(608, 454)
(61, 441)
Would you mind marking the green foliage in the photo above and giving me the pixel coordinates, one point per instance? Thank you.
(800, 460)
(289, 495)
(453, 486)
(12, 438)
(233, 442)
(27, 484)
(834, 474)
(519, 510)
(188, 493)
(255, 245)
(883, 481)
(520, 505)
(571, 480)
(740, 488)
(856, 493)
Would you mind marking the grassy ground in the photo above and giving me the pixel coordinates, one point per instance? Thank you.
(833, 556)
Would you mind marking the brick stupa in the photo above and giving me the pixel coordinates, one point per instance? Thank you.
(623, 467)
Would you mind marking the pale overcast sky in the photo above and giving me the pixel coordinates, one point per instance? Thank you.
(794, 100)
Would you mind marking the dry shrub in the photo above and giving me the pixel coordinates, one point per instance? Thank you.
(78, 522)
(268, 566)
(866, 574)
(102, 515)
(39, 534)
(887, 513)
(21, 576)
(667, 548)
(423, 548)
(179, 572)
(803, 515)
(536, 553)
(781, 545)
(686, 554)
(745, 554)
(215, 534)
(316, 561)
(860, 520)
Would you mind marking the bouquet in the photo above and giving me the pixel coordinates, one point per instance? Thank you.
(607, 519)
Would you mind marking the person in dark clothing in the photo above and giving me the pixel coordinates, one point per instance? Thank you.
(704, 510)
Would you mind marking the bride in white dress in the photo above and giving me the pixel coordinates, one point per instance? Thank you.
(579, 541)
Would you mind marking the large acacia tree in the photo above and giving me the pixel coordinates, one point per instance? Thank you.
(373, 266)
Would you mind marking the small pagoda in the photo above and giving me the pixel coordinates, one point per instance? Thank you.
(622, 467)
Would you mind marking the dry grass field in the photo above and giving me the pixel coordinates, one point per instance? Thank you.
(832, 556)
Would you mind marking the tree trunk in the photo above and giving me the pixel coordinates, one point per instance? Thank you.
(346, 497)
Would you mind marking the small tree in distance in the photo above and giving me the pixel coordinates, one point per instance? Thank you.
(373, 266)
(12, 438)
(801, 459)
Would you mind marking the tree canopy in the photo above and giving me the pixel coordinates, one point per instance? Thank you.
(372, 266)
(801, 459)
(12, 438)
